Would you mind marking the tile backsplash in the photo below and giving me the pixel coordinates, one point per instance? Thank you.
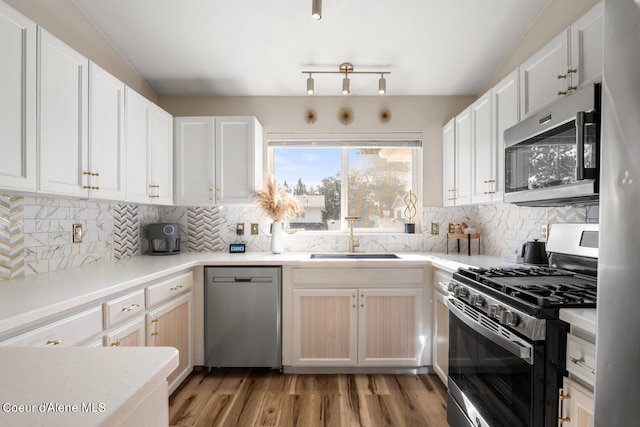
(36, 232)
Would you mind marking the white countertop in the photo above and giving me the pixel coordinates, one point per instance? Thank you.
(583, 318)
(113, 380)
(26, 300)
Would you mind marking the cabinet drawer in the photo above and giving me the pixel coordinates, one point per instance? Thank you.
(581, 358)
(66, 332)
(119, 309)
(168, 289)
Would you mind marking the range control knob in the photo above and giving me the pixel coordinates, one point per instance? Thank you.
(509, 318)
(476, 300)
(493, 310)
(451, 287)
(461, 292)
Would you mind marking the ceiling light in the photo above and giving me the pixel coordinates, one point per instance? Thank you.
(316, 9)
(310, 85)
(382, 85)
(346, 68)
(345, 86)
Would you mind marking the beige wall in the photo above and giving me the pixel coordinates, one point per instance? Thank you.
(557, 16)
(63, 19)
(422, 114)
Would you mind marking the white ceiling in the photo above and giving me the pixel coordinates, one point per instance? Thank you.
(260, 47)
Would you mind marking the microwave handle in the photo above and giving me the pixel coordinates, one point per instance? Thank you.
(580, 145)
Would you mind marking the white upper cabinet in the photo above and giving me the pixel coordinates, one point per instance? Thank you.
(541, 81)
(587, 35)
(570, 61)
(449, 163)
(106, 167)
(63, 117)
(194, 161)
(149, 142)
(484, 157)
(18, 105)
(505, 104)
(464, 151)
(238, 159)
(160, 155)
(218, 160)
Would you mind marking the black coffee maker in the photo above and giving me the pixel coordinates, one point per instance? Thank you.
(164, 239)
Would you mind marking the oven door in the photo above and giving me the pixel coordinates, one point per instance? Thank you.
(553, 156)
(493, 380)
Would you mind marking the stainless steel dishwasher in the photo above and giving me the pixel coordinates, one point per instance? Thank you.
(242, 316)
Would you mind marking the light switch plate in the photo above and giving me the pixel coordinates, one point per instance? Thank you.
(240, 229)
(254, 229)
(77, 233)
(544, 232)
(435, 227)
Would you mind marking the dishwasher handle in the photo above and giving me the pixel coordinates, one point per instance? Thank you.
(242, 279)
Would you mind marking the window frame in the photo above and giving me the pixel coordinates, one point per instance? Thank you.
(352, 141)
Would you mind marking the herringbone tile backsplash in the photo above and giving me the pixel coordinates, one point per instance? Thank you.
(126, 230)
(11, 236)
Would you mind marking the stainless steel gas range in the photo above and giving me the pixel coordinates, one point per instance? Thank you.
(506, 342)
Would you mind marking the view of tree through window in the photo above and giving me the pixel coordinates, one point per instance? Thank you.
(377, 181)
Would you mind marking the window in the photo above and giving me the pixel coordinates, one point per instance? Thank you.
(334, 179)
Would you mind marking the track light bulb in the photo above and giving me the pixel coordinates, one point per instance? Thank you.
(345, 86)
(316, 9)
(310, 88)
(382, 85)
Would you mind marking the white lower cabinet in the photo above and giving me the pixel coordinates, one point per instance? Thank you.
(440, 356)
(354, 317)
(130, 334)
(170, 325)
(577, 405)
(357, 327)
(66, 332)
(389, 327)
(325, 327)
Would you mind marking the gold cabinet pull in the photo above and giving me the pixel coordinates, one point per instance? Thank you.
(86, 173)
(564, 397)
(115, 344)
(87, 187)
(581, 362)
(155, 334)
(131, 307)
(155, 321)
(572, 70)
(572, 87)
(176, 288)
(564, 420)
(52, 342)
(562, 76)
(562, 92)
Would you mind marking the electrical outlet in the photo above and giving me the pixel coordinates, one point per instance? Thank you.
(77, 233)
(544, 232)
(240, 229)
(435, 227)
(254, 229)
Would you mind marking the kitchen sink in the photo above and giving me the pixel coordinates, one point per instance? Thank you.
(353, 256)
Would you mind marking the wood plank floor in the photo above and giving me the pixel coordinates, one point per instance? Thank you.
(255, 397)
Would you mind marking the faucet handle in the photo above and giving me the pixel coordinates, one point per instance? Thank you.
(352, 218)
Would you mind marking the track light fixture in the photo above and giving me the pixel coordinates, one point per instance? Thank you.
(310, 85)
(347, 69)
(316, 9)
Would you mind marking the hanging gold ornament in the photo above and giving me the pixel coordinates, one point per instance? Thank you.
(310, 116)
(345, 116)
(384, 116)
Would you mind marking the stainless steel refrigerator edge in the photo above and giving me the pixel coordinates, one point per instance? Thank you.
(617, 374)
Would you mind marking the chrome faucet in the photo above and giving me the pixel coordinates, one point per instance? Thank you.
(353, 242)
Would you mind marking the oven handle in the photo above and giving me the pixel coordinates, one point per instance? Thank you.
(521, 350)
(580, 145)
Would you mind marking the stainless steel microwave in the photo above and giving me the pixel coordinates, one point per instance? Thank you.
(553, 157)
